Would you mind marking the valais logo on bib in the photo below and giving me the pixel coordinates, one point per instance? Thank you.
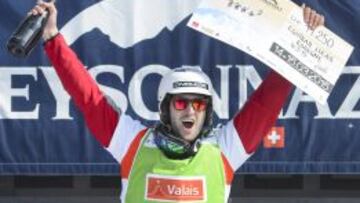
(175, 188)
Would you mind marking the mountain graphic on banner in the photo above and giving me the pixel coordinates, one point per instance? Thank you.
(117, 19)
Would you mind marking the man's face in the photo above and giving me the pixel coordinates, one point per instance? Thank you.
(187, 115)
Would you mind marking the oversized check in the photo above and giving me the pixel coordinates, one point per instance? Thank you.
(274, 32)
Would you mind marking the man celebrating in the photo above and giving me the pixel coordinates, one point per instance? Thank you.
(182, 159)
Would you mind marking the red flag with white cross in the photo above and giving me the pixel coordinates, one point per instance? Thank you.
(275, 138)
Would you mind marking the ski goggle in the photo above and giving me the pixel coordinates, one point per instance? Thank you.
(198, 104)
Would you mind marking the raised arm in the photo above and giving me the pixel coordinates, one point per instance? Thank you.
(262, 109)
(99, 115)
(241, 136)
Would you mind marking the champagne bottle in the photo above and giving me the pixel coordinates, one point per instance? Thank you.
(27, 35)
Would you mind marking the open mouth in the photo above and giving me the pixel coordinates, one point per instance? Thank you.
(188, 124)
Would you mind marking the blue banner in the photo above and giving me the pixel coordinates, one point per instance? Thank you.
(126, 46)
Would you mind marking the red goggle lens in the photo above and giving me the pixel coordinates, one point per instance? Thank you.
(197, 104)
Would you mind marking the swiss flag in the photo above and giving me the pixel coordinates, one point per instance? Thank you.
(275, 138)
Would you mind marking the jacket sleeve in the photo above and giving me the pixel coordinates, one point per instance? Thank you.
(99, 115)
(261, 111)
(239, 138)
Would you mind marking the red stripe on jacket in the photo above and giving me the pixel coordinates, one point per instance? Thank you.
(100, 117)
(261, 110)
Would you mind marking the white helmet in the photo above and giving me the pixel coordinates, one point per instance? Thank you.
(183, 80)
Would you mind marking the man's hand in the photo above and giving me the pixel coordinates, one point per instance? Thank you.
(51, 28)
(312, 18)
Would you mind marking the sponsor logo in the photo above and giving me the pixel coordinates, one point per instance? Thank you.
(343, 109)
(275, 138)
(182, 84)
(175, 188)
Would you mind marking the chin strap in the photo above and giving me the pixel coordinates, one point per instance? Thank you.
(173, 146)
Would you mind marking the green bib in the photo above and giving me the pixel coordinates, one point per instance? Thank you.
(155, 178)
